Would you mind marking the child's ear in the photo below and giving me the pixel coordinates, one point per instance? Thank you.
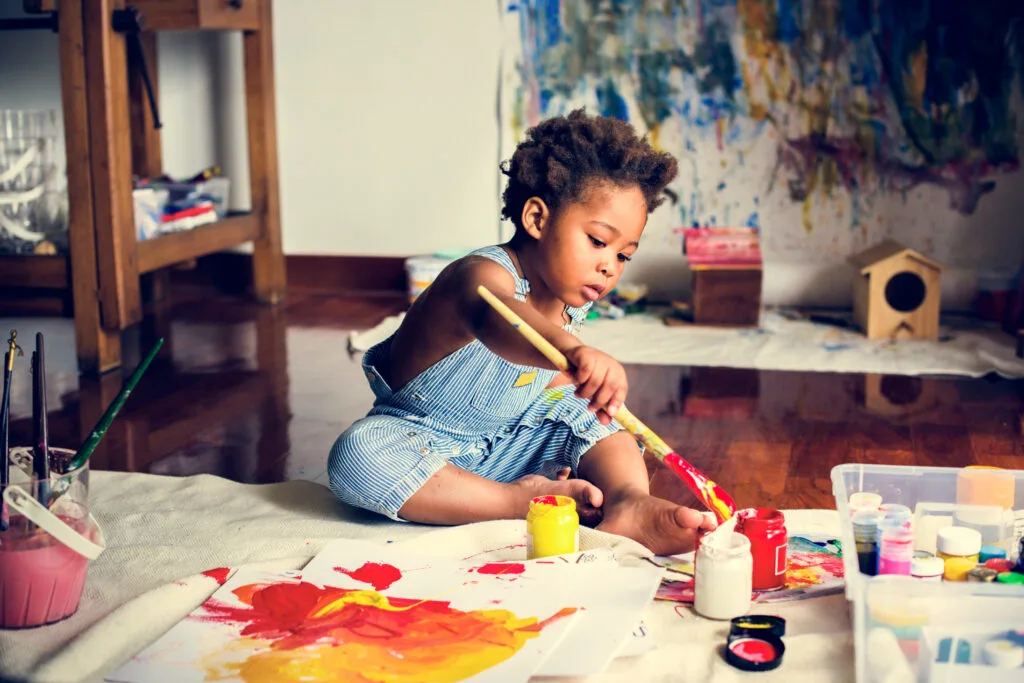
(535, 217)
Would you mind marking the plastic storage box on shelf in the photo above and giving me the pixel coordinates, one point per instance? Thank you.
(907, 629)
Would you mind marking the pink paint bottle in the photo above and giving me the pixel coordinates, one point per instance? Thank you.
(896, 551)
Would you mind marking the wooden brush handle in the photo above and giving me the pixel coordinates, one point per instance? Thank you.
(625, 418)
(710, 493)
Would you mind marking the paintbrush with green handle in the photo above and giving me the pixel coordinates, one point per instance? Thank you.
(100, 430)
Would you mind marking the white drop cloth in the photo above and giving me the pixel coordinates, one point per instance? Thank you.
(784, 343)
(162, 532)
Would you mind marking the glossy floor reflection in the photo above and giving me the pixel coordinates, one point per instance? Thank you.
(258, 395)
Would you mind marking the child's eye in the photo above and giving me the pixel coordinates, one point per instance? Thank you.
(624, 259)
(597, 243)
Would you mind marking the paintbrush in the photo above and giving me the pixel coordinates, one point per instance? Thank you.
(709, 493)
(40, 442)
(5, 423)
(100, 430)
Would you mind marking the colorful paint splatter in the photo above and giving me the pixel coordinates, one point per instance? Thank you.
(298, 631)
(843, 103)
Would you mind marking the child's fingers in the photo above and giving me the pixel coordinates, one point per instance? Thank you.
(603, 397)
(588, 388)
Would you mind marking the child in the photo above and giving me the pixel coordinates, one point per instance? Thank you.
(470, 422)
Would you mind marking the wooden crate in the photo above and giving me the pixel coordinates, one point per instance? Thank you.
(726, 295)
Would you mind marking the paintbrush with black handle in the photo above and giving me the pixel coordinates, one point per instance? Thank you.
(5, 423)
(40, 442)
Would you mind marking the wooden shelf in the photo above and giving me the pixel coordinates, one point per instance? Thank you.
(167, 250)
(35, 272)
(176, 15)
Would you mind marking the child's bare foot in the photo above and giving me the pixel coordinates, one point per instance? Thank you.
(662, 527)
(588, 497)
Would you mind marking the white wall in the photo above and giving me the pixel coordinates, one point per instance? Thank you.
(389, 140)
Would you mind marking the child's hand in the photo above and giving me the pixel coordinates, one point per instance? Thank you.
(600, 378)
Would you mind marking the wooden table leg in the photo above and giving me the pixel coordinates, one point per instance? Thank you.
(106, 70)
(269, 278)
(98, 347)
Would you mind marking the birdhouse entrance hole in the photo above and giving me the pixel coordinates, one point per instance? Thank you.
(905, 292)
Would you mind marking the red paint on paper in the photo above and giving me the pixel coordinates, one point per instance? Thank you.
(501, 568)
(378, 575)
(220, 574)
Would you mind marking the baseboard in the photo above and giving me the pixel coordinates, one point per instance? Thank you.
(232, 271)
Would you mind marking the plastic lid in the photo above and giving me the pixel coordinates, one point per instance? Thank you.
(927, 566)
(1004, 653)
(1011, 577)
(991, 552)
(864, 499)
(959, 540)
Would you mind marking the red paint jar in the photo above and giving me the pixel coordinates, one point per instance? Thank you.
(766, 529)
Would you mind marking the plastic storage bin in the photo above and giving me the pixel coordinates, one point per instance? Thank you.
(906, 629)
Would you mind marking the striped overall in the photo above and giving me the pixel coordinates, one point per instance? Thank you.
(472, 409)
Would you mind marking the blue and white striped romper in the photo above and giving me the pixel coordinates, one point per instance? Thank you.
(472, 409)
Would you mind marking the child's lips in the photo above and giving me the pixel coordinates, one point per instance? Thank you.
(592, 292)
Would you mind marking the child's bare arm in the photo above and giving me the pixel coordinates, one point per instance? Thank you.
(599, 377)
(481, 321)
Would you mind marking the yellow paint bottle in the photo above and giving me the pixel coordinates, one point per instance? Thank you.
(552, 527)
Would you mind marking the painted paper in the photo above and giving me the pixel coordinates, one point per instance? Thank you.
(281, 628)
(367, 613)
(611, 599)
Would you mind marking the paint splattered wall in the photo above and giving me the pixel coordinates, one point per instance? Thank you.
(828, 124)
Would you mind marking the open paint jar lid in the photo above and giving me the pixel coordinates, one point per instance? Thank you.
(758, 624)
(754, 652)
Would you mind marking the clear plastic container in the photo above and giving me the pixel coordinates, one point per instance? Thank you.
(900, 621)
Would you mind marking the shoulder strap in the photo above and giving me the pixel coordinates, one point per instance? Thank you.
(497, 254)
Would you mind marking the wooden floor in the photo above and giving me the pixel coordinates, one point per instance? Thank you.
(259, 394)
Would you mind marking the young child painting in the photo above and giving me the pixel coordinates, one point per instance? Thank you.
(470, 421)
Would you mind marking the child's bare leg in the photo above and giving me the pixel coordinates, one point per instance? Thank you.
(616, 466)
(455, 496)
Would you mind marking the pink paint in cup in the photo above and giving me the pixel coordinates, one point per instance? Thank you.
(45, 552)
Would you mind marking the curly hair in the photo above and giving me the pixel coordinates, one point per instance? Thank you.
(561, 158)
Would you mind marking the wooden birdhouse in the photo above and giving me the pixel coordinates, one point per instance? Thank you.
(896, 293)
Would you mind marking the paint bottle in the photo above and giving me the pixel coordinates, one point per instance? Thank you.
(865, 536)
(927, 568)
(552, 527)
(959, 548)
(766, 529)
(723, 572)
(897, 517)
(862, 500)
(895, 551)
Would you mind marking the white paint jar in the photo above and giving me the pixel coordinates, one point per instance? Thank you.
(723, 576)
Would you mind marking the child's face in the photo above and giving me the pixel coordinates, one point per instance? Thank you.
(585, 247)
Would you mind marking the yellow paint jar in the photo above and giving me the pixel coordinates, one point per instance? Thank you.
(552, 527)
(959, 548)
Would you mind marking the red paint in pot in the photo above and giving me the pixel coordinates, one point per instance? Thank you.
(766, 529)
(753, 650)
